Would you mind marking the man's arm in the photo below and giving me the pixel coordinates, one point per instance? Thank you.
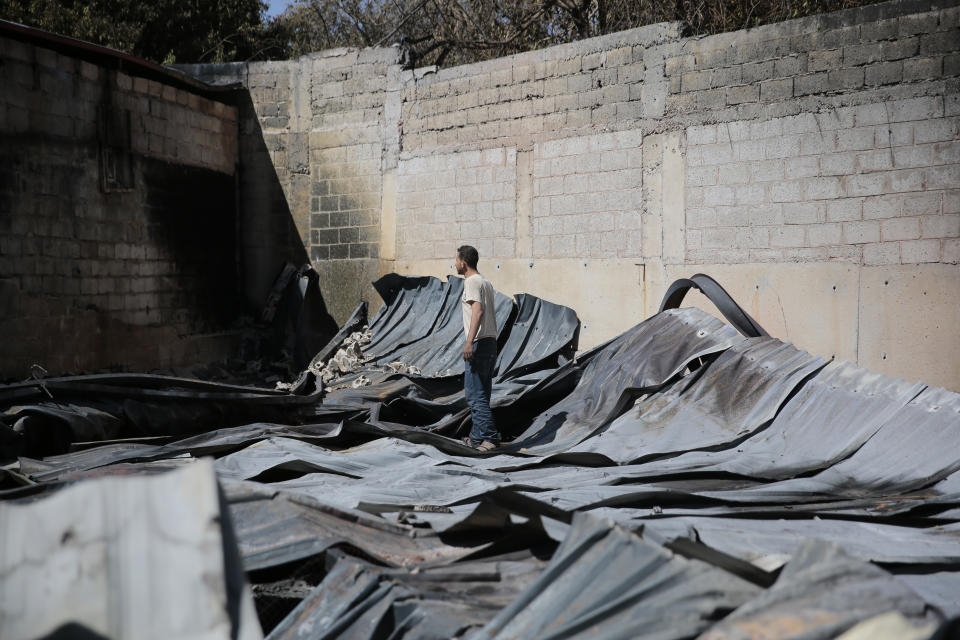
(476, 312)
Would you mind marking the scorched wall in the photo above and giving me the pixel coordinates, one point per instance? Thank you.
(117, 212)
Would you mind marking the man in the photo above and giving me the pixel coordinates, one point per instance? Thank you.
(480, 349)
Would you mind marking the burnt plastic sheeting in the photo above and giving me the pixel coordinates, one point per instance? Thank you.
(444, 602)
(820, 594)
(734, 396)
(48, 415)
(274, 528)
(277, 453)
(301, 319)
(915, 448)
(141, 386)
(829, 418)
(606, 582)
(734, 314)
(767, 543)
(541, 334)
(639, 361)
(210, 443)
(421, 323)
(439, 405)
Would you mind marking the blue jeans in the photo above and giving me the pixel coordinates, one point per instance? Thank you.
(477, 383)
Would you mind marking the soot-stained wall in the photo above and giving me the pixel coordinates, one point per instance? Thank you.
(117, 214)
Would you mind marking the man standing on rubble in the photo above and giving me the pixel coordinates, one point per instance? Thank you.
(480, 349)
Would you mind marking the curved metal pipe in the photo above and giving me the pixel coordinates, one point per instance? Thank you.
(709, 287)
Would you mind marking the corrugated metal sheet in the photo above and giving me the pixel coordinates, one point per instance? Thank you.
(722, 459)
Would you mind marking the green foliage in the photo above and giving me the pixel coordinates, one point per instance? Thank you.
(164, 31)
(449, 32)
(442, 32)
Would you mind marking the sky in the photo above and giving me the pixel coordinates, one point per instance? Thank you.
(276, 7)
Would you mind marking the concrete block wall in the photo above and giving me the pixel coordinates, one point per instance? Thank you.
(447, 197)
(898, 45)
(317, 135)
(802, 163)
(605, 82)
(874, 184)
(93, 278)
(811, 165)
(587, 196)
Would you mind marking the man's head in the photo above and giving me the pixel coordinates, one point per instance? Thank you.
(467, 257)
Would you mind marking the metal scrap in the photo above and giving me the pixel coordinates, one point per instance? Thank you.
(686, 477)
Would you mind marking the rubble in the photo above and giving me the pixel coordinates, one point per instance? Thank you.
(688, 477)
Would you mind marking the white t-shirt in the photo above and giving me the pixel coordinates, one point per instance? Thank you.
(476, 288)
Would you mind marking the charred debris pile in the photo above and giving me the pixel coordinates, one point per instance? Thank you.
(689, 478)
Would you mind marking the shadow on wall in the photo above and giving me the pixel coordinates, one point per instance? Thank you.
(268, 235)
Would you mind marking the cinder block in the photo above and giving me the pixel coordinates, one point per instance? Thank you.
(922, 68)
(802, 167)
(753, 238)
(825, 188)
(749, 150)
(861, 232)
(940, 43)
(919, 251)
(886, 206)
(810, 83)
(725, 77)
(702, 134)
(900, 229)
(750, 194)
(562, 246)
(880, 160)
(951, 67)
(922, 204)
(945, 177)
(718, 195)
(919, 23)
(716, 154)
(884, 73)
(858, 139)
(820, 235)
(951, 251)
(907, 180)
(786, 191)
(767, 170)
(788, 236)
(881, 253)
(742, 94)
(776, 89)
(861, 54)
(880, 29)
(844, 210)
(824, 60)
(734, 173)
(942, 226)
(863, 185)
(845, 79)
(695, 81)
(679, 64)
(718, 238)
(951, 201)
(916, 109)
(803, 212)
(936, 130)
(783, 147)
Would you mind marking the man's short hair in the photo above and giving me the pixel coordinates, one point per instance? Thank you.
(469, 255)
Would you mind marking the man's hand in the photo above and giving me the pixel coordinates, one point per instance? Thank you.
(468, 351)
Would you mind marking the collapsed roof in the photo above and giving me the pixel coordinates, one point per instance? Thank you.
(684, 478)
